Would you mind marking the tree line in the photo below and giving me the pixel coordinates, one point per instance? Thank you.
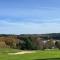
(30, 42)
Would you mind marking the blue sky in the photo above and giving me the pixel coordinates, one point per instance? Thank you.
(29, 16)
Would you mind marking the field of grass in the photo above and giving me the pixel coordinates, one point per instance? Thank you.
(39, 55)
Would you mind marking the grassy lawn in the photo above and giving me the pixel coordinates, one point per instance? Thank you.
(39, 55)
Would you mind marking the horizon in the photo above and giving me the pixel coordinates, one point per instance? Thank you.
(30, 34)
(29, 16)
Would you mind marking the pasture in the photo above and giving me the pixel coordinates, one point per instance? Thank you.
(38, 55)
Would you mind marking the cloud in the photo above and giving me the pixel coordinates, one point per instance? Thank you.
(41, 15)
(30, 20)
(28, 28)
(32, 17)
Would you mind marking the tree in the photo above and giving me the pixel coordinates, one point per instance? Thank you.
(57, 43)
(50, 44)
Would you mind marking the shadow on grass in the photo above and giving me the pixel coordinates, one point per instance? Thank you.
(49, 59)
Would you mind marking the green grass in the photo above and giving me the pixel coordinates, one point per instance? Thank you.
(39, 55)
(8, 50)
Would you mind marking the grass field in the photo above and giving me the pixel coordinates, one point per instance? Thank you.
(39, 55)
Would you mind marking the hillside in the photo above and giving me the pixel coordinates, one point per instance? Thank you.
(29, 41)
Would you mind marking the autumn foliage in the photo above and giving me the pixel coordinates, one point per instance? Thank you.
(28, 42)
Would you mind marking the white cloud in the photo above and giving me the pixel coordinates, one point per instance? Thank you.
(33, 21)
(32, 28)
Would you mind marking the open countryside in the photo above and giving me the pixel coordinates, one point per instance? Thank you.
(29, 29)
(30, 47)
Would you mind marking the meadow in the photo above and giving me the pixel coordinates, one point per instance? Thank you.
(38, 55)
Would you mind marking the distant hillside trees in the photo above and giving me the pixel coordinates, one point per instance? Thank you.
(30, 42)
(26, 43)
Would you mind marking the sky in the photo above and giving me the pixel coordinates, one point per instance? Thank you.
(29, 16)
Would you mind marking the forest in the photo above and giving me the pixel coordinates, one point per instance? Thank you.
(30, 41)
